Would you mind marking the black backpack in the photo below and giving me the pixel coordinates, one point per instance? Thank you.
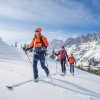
(43, 44)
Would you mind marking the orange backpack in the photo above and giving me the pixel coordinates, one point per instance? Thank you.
(71, 60)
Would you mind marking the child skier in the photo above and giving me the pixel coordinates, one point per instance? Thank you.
(72, 61)
(40, 45)
(63, 55)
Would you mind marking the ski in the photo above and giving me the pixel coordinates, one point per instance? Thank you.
(25, 82)
(18, 84)
(22, 83)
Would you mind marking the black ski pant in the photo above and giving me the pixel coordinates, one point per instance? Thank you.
(63, 68)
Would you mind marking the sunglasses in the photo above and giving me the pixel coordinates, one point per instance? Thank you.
(36, 31)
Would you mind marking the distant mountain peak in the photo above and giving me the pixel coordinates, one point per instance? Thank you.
(55, 44)
(83, 39)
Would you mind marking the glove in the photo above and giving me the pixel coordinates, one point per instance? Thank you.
(45, 53)
(26, 49)
(44, 48)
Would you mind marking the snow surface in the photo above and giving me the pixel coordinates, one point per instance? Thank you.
(15, 68)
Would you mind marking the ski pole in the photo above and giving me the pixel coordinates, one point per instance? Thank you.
(77, 70)
(67, 68)
(28, 58)
(56, 67)
(48, 68)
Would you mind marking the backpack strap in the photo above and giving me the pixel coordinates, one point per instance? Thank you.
(43, 44)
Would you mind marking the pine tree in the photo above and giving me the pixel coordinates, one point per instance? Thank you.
(0, 38)
(25, 46)
(53, 54)
(16, 44)
(21, 46)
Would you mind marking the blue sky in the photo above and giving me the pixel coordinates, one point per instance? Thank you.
(58, 18)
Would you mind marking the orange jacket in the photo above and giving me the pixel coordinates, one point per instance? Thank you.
(71, 59)
(37, 42)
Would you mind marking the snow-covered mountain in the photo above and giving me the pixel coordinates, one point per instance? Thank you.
(86, 49)
(15, 68)
(55, 44)
(83, 39)
(87, 54)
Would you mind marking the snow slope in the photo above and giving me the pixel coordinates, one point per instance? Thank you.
(11, 53)
(15, 68)
(86, 54)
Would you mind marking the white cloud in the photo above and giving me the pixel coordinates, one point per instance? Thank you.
(60, 35)
(8, 35)
(22, 37)
(47, 11)
(44, 12)
(74, 35)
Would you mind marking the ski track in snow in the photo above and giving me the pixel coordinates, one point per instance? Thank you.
(81, 86)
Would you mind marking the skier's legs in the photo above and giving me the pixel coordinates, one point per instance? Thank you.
(64, 62)
(42, 61)
(62, 65)
(70, 68)
(35, 70)
(73, 68)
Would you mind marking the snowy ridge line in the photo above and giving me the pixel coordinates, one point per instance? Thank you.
(40, 78)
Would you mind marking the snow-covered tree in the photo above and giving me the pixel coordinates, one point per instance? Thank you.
(21, 46)
(0, 38)
(16, 44)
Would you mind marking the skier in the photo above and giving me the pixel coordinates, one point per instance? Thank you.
(71, 60)
(53, 54)
(40, 45)
(63, 55)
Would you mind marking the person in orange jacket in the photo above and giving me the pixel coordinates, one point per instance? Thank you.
(40, 44)
(72, 61)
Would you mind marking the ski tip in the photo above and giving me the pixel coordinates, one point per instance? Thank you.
(9, 87)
